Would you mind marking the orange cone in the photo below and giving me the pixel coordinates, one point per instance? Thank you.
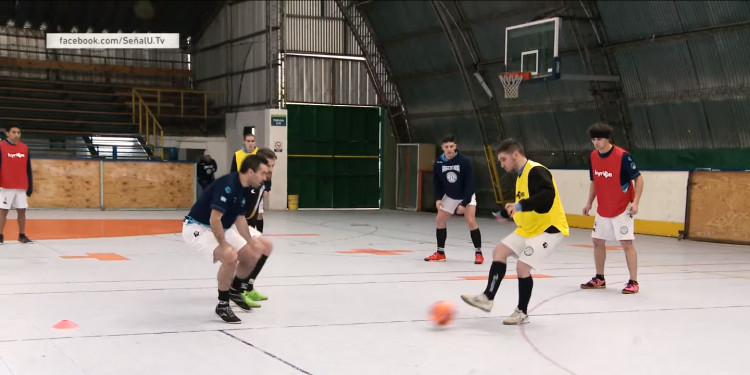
(65, 324)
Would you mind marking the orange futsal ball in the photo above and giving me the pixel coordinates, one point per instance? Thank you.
(443, 313)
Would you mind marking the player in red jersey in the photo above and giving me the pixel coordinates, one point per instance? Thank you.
(617, 185)
(16, 182)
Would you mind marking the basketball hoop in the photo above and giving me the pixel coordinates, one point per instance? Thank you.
(512, 81)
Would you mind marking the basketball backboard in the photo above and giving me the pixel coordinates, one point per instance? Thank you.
(533, 47)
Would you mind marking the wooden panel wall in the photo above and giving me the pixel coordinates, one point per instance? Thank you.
(719, 208)
(75, 183)
(60, 183)
(134, 184)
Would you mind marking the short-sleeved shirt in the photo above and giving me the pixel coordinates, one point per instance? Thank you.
(628, 170)
(226, 195)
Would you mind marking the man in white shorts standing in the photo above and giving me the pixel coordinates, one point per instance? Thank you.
(453, 186)
(16, 182)
(541, 226)
(613, 175)
(216, 227)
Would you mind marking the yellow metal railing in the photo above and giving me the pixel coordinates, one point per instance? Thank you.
(145, 118)
(160, 97)
(494, 176)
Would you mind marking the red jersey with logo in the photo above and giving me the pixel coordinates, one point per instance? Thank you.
(613, 173)
(15, 166)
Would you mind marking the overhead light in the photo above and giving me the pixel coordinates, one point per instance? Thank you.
(90, 30)
(43, 26)
(74, 29)
(105, 31)
(479, 78)
(327, 56)
(27, 25)
(10, 23)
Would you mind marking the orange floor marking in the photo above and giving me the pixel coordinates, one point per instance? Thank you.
(97, 256)
(592, 246)
(59, 229)
(534, 275)
(65, 324)
(374, 252)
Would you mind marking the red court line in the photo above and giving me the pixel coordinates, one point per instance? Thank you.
(374, 252)
(592, 246)
(291, 235)
(508, 277)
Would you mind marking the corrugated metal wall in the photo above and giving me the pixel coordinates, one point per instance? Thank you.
(333, 81)
(322, 35)
(319, 27)
(683, 69)
(31, 44)
(688, 91)
(231, 56)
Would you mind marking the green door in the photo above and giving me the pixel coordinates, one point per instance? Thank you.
(334, 156)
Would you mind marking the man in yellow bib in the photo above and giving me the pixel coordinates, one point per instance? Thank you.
(541, 226)
(241, 154)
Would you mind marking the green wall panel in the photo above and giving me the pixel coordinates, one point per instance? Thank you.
(334, 156)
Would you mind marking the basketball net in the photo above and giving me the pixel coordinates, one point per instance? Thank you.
(511, 82)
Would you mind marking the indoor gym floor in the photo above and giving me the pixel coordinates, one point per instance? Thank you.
(349, 293)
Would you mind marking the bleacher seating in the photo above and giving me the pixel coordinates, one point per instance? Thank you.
(54, 113)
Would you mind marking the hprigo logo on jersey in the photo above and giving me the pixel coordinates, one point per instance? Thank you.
(604, 174)
(16, 155)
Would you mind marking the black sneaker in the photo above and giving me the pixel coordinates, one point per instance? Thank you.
(225, 313)
(23, 239)
(240, 301)
(1, 239)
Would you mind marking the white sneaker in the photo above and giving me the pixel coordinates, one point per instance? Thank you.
(518, 317)
(479, 301)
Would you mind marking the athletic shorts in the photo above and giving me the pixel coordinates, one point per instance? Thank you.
(450, 204)
(533, 250)
(201, 238)
(15, 198)
(618, 228)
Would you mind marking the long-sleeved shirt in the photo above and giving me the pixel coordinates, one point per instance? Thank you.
(207, 170)
(453, 177)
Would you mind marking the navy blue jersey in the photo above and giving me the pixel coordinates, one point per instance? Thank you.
(453, 177)
(226, 195)
(628, 170)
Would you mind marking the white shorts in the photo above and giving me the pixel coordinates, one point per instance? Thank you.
(533, 251)
(202, 239)
(13, 197)
(618, 228)
(450, 204)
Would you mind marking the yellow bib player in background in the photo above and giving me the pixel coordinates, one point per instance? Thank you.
(240, 155)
